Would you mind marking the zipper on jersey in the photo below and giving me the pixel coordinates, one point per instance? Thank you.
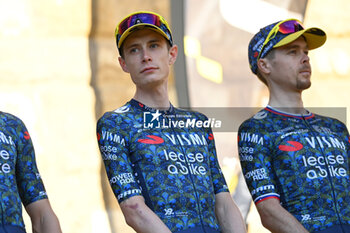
(328, 172)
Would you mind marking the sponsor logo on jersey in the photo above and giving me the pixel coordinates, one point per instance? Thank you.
(251, 137)
(323, 142)
(299, 131)
(42, 193)
(6, 139)
(295, 146)
(110, 149)
(309, 218)
(122, 109)
(26, 135)
(257, 174)
(123, 178)
(188, 140)
(113, 137)
(321, 129)
(151, 139)
(169, 212)
(263, 188)
(246, 153)
(323, 166)
(4, 166)
(109, 156)
(181, 164)
(129, 192)
(260, 115)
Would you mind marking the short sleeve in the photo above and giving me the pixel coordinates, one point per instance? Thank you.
(255, 149)
(112, 136)
(29, 182)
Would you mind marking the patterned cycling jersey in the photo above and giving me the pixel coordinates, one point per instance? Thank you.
(166, 157)
(19, 177)
(302, 160)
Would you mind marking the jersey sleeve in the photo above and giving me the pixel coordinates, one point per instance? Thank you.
(255, 150)
(112, 136)
(30, 185)
(346, 137)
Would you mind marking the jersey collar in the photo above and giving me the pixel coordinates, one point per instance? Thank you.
(306, 116)
(145, 108)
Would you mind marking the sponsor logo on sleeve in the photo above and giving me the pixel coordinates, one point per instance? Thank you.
(113, 137)
(257, 174)
(6, 139)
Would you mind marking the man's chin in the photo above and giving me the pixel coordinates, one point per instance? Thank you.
(303, 85)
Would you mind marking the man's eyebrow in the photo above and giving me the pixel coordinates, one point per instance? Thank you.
(154, 40)
(131, 45)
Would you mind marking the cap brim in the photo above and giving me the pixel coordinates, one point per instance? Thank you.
(135, 27)
(315, 38)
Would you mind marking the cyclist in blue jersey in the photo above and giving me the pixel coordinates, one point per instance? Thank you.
(160, 160)
(295, 162)
(20, 181)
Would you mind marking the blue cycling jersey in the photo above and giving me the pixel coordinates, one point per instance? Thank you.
(19, 177)
(302, 160)
(168, 159)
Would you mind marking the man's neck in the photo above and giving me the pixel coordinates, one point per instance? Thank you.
(156, 98)
(288, 102)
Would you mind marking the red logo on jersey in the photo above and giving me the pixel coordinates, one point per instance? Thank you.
(295, 146)
(211, 137)
(151, 139)
(98, 136)
(26, 135)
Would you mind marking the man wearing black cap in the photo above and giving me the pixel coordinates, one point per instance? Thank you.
(296, 163)
(160, 161)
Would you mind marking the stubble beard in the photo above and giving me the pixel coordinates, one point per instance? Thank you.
(303, 84)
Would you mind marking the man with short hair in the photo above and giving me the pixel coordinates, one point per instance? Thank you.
(20, 181)
(161, 165)
(295, 163)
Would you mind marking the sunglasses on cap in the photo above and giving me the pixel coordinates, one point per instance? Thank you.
(143, 18)
(285, 27)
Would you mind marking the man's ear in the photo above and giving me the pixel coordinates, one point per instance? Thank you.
(264, 65)
(123, 65)
(173, 54)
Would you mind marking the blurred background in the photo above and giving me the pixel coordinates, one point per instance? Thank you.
(59, 73)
